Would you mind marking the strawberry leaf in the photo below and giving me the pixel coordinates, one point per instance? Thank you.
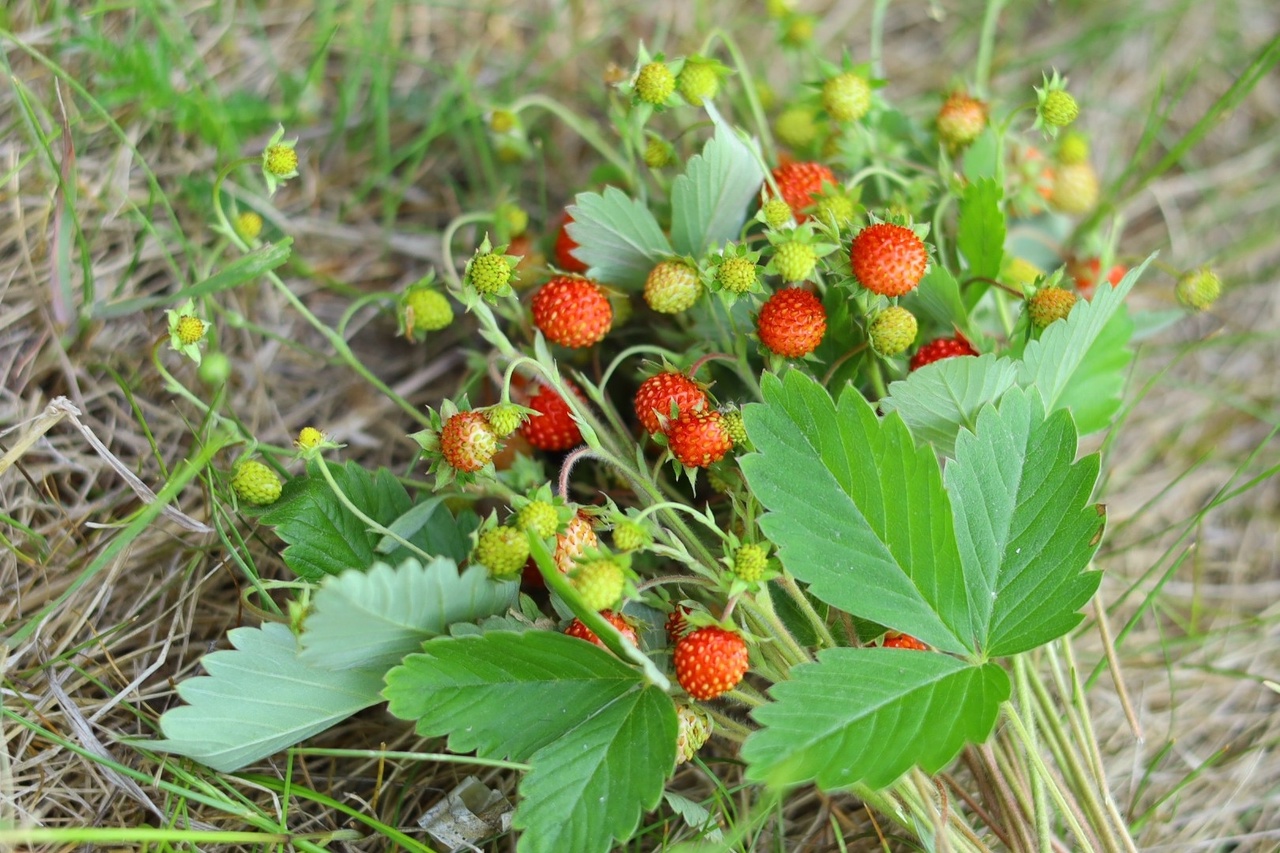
(857, 510)
(980, 236)
(709, 201)
(937, 300)
(375, 618)
(1080, 364)
(260, 698)
(601, 740)
(1025, 527)
(940, 398)
(869, 715)
(617, 237)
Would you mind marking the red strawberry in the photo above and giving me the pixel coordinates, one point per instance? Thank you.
(894, 640)
(565, 246)
(553, 428)
(676, 624)
(888, 259)
(467, 441)
(941, 348)
(578, 536)
(656, 394)
(799, 183)
(1085, 271)
(697, 438)
(792, 322)
(710, 661)
(617, 620)
(572, 311)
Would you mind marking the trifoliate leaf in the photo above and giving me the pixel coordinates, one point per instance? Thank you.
(376, 617)
(869, 715)
(857, 510)
(709, 201)
(259, 699)
(1024, 524)
(940, 398)
(601, 740)
(617, 237)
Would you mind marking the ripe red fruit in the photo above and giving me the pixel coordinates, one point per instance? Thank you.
(888, 259)
(792, 322)
(564, 246)
(676, 624)
(467, 442)
(656, 394)
(572, 311)
(904, 641)
(617, 620)
(941, 348)
(799, 183)
(710, 661)
(553, 428)
(1085, 271)
(698, 438)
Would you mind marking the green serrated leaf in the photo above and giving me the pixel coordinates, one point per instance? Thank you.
(982, 157)
(601, 740)
(980, 236)
(857, 510)
(429, 525)
(376, 617)
(323, 536)
(937, 300)
(617, 237)
(709, 201)
(1079, 364)
(869, 715)
(1024, 524)
(259, 699)
(939, 399)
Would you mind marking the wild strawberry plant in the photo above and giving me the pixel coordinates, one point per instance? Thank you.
(836, 397)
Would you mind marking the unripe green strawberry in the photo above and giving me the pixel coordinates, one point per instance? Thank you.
(489, 273)
(733, 424)
(467, 441)
(892, 331)
(698, 82)
(503, 550)
(600, 582)
(214, 369)
(799, 183)
(309, 438)
(577, 537)
(1050, 304)
(572, 311)
(672, 287)
(1020, 271)
(190, 329)
(692, 731)
(1058, 109)
(654, 83)
(658, 152)
(940, 348)
(505, 418)
(798, 30)
(248, 224)
(888, 259)
(710, 661)
(1073, 148)
(1075, 189)
(794, 260)
(749, 562)
(796, 128)
(255, 483)
(426, 310)
(776, 213)
(846, 97)
(625, 628)
(697, 438)
(961, 119)
(629, 536)
(1198, 289)
(503, 121)
(739, 275)
(280, 160)
(540, 517)
(835, 208)
(513, 218)
(658, 394)
(792, 322)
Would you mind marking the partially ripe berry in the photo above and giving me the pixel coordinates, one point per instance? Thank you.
(672, 287)
(892, 331)
(734, 425)
(888, 259)
(503, 551)
(846, 97)
(577, 537)
(961, 119)
(693, 730)
(1198, 289)
(467, 441)
(792, 322)
(1075, 189)
(255, 483)
(1050, 304)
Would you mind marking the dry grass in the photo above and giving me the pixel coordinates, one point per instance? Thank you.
(1194, 587)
